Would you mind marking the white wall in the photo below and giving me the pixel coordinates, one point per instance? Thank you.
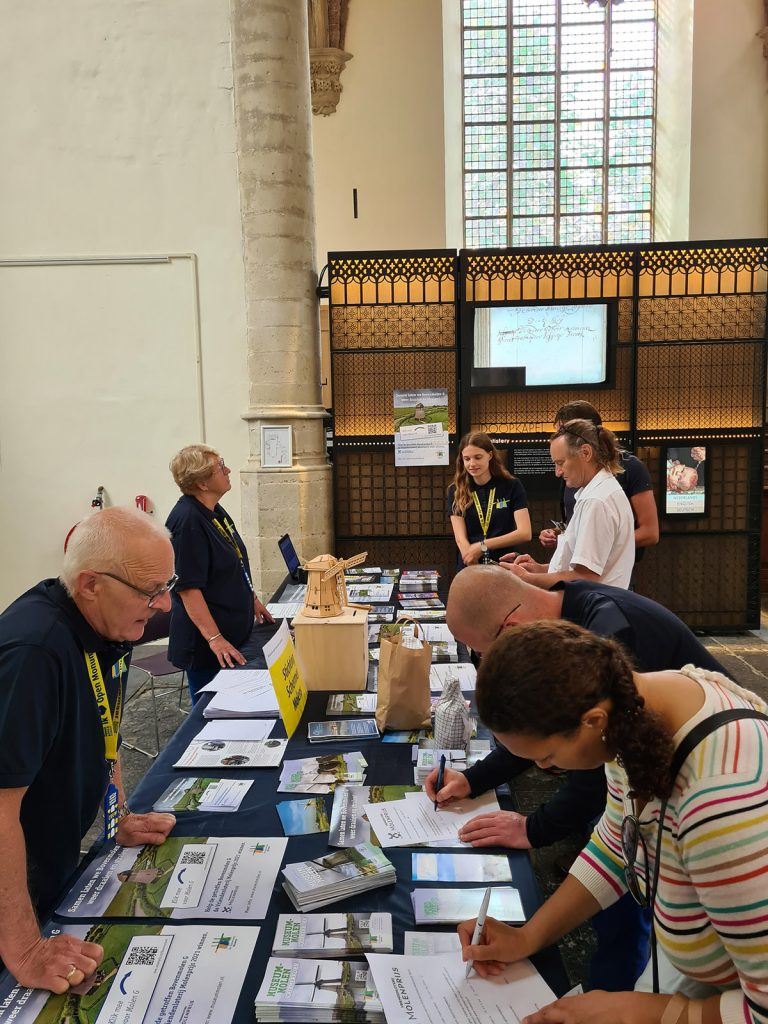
(118, 138)
(729, 127)
(386, 137)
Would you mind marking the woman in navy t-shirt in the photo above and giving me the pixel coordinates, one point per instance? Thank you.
(214, 605)
(486, 504)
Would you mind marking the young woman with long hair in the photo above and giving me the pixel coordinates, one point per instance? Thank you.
(486, 504)
(560, 695)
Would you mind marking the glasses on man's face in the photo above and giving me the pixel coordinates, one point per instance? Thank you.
(151, 596)
(635, 875)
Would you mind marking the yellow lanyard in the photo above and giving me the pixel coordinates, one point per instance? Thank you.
(110, 722)
(229, 537)
(485, 520)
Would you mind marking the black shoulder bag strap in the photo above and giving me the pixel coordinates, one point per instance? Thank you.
(688, 744)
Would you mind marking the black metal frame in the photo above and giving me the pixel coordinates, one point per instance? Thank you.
(635, 261)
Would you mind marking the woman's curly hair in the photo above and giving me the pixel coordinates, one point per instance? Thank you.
(539, 679)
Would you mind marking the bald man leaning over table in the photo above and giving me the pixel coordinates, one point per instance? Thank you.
(64, 653)
(483, 601)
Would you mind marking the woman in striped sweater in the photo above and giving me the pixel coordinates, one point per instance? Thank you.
(559, 695)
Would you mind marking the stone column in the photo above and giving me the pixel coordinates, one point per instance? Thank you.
(274, 148)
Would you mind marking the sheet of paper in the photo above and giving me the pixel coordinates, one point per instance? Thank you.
(159, 974)
(232, 754)
(464, 672)
(286, 678)
(437, 632)
(418, 990)
(284, 609)
(252, 729)
(430, 943)
(406, 822)
(450, 906)
(237, 679)
(217, 877)
(460, 867)
(349, 823)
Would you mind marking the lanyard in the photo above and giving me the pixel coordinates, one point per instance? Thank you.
(485, 520)
(110, 722)
(229, 536)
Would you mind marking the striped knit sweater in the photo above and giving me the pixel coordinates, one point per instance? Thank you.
(712, 901)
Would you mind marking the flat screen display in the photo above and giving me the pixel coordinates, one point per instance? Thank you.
(544, 345)
(289, 554)
(686, 480)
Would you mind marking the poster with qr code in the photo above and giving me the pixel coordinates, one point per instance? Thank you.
(226, 879)
(150, 973)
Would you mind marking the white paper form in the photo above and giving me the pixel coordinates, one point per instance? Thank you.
(422, 990)
(237, 679)
(160, 975)
(464, 672)
(284, 609)
(252, 729)
(412, 821)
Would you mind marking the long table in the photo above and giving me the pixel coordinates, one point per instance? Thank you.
(387, 763)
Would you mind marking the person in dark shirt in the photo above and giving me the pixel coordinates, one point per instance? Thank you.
(214, 604)
(487, 506)
(64, 656)
(482, 602)
(635, 481)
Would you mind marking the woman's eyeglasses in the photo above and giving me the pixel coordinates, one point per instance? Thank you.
(635, 875)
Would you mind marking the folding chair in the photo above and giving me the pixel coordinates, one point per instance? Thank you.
(153, 666)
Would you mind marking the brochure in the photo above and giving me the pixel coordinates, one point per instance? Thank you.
(314, 883)
(186, 877)
(232, 754)
(460, 867)
(351, 704)
(450, 906)
(303, 817)
(323, 935)
(323, 732)
(308, 991)
(430, 943)
(158, 974)
(199, 794)
(349, 824)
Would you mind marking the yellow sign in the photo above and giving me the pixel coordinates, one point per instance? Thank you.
(286, 678)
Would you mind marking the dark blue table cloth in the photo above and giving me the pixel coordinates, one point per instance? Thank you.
(388, 763)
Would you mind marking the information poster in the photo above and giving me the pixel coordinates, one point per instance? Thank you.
(157, 974)
(686, 489)
(420, 420)
(289, 687)
(184, 877)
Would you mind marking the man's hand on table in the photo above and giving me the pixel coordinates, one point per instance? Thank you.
(499, 828)
(141, 829)
(49, 963)
(455, 786)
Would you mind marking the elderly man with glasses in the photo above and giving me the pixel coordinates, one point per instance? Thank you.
(64, 653)
(483, 602)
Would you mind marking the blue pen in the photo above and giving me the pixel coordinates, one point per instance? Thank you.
(440, 774)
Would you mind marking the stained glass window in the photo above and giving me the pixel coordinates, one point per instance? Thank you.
(559, 105)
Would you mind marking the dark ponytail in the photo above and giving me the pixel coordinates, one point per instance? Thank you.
(539, 679)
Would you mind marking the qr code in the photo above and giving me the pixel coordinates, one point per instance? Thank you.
(142, 956)
(192, 857)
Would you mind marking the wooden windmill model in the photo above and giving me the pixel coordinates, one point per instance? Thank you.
(326, 586)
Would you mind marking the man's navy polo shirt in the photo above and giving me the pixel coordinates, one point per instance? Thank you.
(51, 739)
(206, 561)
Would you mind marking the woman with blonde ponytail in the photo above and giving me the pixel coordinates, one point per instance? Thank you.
(599, 542)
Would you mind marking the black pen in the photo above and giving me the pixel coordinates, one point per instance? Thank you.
(440, 774)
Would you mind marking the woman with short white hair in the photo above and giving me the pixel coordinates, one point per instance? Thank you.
(214, 603)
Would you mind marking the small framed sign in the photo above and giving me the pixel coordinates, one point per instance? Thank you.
(276, 447)
(684, 466)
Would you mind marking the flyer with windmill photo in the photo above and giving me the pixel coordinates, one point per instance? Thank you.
(420, 423)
